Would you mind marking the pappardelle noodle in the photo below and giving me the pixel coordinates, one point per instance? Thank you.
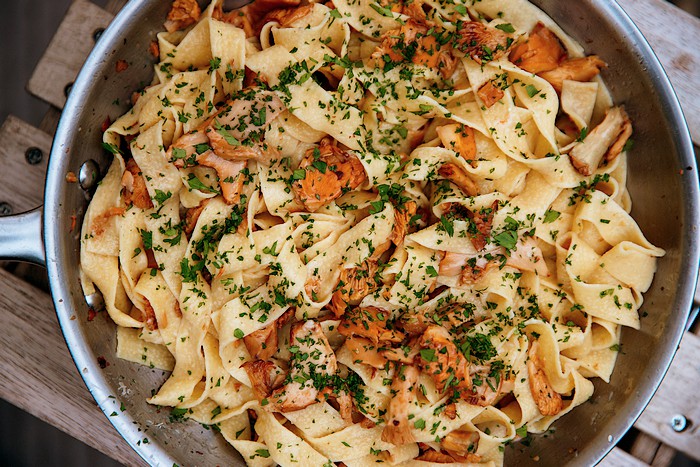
(368, 231)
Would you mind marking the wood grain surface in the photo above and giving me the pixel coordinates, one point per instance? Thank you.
(672, 34)
(67, 51)
(645, 448)
(620, 458)
(17, 137)
(46, 383)
(40, 375)
(678, 395)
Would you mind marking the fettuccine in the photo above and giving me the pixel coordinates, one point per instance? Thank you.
(369, 231)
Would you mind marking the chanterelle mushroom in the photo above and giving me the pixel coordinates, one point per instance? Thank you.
(548, 400)
(312, 358)
(403, 387)
(577, 69)
(609, 137)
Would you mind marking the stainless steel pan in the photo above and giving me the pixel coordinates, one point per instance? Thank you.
(665, 205)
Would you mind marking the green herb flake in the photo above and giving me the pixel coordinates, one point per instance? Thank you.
(178, 414)
(582, 136)
(147, 239)
(505, 27)
(321, 166)
(228, 137)
(447, 225)
(179, 153)
(382, 10)
(507, 239)
(111, 148)
(196, 184)
(201, 148)
(161, 197)
(462, 10)
(428, 355)
(550, 216)
(531, 90)
(629, 144)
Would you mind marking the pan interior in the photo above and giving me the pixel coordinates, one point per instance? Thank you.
(665, 206)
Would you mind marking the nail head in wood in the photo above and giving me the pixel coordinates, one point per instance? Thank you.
(679, 423)
(67, 51)
(97, 33)
(5, 209)
(34, 155)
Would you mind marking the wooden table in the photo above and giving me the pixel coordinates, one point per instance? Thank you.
(40, 377)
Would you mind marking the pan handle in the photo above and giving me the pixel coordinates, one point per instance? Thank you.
(21, 237)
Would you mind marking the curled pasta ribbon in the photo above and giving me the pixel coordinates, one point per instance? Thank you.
(368, 232)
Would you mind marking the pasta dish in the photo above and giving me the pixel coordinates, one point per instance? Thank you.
(363, 231)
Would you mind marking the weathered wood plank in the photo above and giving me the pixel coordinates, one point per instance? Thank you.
(678, 395)
(664, 456)
(691, 6)
(619, 458)
(49, 122)
(46, 383)
(42, 379)
(669, 30)
(115, 5)
(23, 184)
(645, 447)
(67, 52)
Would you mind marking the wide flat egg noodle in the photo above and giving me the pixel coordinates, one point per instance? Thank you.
(308, 101)
(311, 36)
(365, 19)
(160, 222)
(190, 278)
(132, 265)
(99, 254)
(523, 15)
(504, 118)
(352, 247)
